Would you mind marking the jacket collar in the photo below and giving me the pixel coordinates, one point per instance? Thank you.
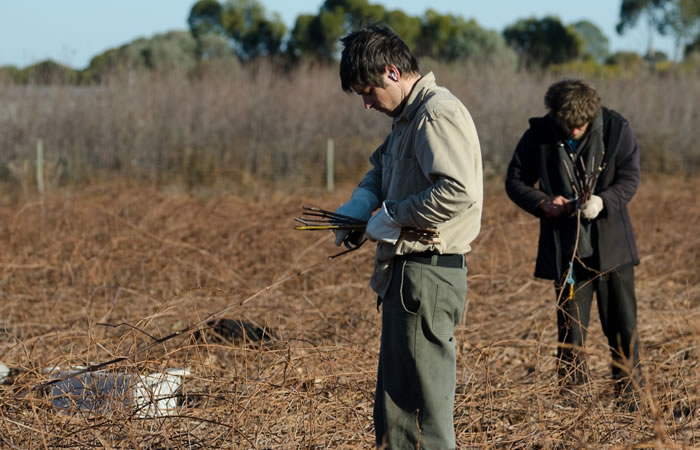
(416, 97)
(597, 123)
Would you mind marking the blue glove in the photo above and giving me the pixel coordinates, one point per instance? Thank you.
(361, 204)
(382, 227)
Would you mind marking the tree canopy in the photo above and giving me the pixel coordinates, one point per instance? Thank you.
(43, 72)
(680, 18)
(171, 51)
(595, 44)
(226, 33)
(443, 37)
(251, 32)
(543, 41)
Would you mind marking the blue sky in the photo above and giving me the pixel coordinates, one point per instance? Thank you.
(73, 31)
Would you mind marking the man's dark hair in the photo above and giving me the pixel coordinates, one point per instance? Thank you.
(572, 103)
(367, 52)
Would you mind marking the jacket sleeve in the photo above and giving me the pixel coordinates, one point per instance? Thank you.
(627, 174)
(372, 180)
(522, 174)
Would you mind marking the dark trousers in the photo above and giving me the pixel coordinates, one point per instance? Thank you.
(617, 306)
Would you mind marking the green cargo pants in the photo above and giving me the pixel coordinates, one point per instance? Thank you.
(416, 377)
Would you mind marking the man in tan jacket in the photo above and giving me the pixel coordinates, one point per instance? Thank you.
(427, 175)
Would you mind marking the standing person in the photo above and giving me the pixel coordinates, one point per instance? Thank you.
(426, 174)
(583, 156)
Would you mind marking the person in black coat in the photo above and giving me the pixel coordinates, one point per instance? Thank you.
(576, 169)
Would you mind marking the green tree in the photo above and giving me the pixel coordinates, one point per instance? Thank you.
(355, 12)
(693, 47)
(408, 27)
(206, 18)
(319, 35)
(327, 28)
(543, 41)
(681, 18)
(595, 44)
(167, 52)
(244, 22)
(632, 10)
(300, 40)
(435, 33)
(443, 37)
(451, 38)
(684, 23)
(626, 60)
(205, 23)
(473, 43)
(213, 46)
(48, 72)
(10, 74)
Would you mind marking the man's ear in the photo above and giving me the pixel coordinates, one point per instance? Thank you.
(394, 73)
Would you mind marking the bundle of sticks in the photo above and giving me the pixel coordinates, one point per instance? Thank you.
(582, 181)
(319, 219)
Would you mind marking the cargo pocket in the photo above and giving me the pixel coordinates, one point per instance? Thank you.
(448, 308)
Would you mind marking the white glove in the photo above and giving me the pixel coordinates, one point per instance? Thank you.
(361, 204)
(381, 227)
(592, 207)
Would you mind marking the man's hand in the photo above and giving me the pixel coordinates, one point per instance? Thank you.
(556, 207)
(381, 227)
(360, 207)
(592, 207)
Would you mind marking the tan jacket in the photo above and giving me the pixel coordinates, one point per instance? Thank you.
(430, 167)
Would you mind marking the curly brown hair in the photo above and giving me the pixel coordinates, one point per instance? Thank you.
(572, 103)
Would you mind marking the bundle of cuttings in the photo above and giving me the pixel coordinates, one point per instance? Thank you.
(319, 219)
(583, 181)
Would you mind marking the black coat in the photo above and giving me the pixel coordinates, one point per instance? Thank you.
(611, 235)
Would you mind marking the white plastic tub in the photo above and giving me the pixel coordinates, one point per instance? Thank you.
(101, 392)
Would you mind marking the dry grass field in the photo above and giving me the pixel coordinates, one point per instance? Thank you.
(152, 262)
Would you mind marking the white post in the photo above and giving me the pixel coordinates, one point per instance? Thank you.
(40, 172)
(330, 165)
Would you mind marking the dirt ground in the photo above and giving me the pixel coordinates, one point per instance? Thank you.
(104, 273)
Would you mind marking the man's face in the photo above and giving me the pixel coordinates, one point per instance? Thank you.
(578, 132)
(387, 99)
(573, 132)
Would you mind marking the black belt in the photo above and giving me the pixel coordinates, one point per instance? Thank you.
(453, 260)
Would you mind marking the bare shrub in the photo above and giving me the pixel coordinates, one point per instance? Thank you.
(261, 124)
